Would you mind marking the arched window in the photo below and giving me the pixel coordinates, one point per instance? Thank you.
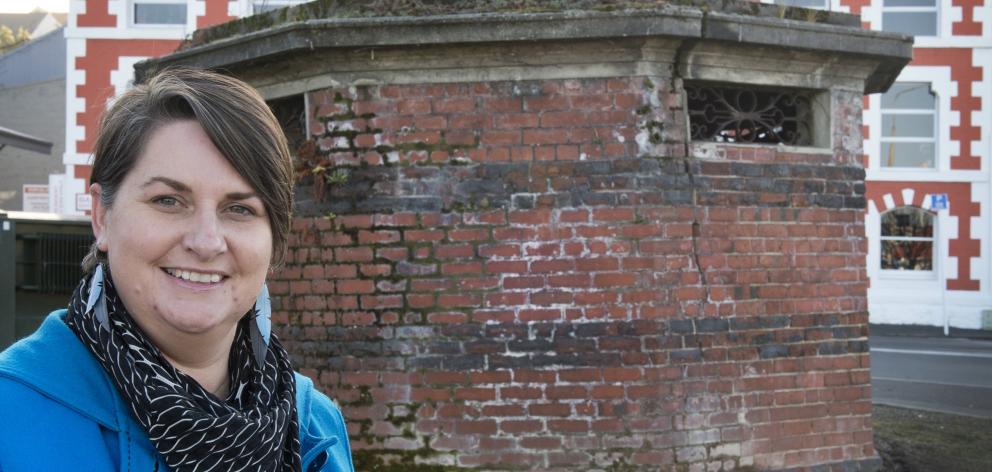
(907, 239)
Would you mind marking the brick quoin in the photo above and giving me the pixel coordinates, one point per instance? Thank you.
(215, 13)
(531, 312)
(969, 24)
(97, 15)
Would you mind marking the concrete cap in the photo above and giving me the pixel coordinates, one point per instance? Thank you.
(298, 30)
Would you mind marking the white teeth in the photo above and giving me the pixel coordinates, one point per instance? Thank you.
(194, 276)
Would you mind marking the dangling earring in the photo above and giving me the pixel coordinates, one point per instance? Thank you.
(97, 300)
(261, 328)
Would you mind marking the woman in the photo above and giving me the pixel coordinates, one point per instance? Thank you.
(164, 359)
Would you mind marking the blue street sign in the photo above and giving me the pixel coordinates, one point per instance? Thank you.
(938, 201)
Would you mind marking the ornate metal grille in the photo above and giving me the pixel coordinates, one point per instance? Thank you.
(750, 115)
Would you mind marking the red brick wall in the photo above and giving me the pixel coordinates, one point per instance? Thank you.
(536, 275)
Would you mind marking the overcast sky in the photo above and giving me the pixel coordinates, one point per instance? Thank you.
(24, 6)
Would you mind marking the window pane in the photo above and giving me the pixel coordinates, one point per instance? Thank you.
(803, 3)
(911, 95)
(910, 3)
(907, 221)
(916, 23)
(915, 126)
(919, 155)
(907, 255)
(160, 13)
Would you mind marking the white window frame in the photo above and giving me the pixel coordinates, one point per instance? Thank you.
(132, 17)
(934, 248)
(935, 9)
(935, 138)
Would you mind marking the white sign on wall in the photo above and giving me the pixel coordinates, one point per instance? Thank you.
(55, 192)
(84, 202)
(34, 198)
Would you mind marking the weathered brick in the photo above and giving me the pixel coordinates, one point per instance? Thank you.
(536, 288)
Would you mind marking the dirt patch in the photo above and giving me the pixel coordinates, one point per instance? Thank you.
(923, 441)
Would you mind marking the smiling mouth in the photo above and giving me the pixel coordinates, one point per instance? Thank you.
(192, 276)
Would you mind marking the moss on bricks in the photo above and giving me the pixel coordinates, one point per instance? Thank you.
(398, 460)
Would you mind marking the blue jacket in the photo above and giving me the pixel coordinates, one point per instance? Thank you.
(60, 411)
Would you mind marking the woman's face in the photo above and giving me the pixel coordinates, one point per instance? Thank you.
(187, 239)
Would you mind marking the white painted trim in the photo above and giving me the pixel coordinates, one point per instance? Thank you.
(929, 176)
(236, 8)
(122, 78)
(119, 8)
(907, 196)
(194, 10)
(127, 33)
(71, 187)
(77, 159)
(983, 11)
(55, 192)
(956, 41)
(980, 232)
(75, 48)
(982, 118)
(890, 203)
(76, 8)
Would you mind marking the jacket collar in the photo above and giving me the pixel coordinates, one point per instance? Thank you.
(55, 363)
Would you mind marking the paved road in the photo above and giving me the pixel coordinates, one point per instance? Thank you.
(939, 374)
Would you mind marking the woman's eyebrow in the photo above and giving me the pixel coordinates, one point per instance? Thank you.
(181, 187)
(241, 195)
(175, 184)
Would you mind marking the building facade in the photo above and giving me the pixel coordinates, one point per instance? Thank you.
(927, 151)
(104, 39)
(928, 175)
(32, 85)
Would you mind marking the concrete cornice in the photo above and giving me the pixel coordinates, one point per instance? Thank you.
(890, 52)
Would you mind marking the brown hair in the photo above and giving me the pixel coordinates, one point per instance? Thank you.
(233, 115)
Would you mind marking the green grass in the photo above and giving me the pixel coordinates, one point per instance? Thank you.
(915, 440)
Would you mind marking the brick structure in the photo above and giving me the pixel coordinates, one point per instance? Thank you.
(508, 255)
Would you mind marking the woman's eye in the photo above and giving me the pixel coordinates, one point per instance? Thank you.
(166, 201)
(242, 210)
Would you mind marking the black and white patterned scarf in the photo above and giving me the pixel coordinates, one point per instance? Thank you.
(254, 429)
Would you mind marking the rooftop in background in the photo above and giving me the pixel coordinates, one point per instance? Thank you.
(39, 60)
(36, 23)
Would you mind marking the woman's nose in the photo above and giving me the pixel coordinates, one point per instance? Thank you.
(205, 237)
